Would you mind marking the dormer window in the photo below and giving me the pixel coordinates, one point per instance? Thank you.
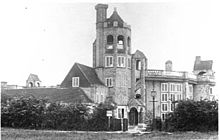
(115, 23)
(75, 82)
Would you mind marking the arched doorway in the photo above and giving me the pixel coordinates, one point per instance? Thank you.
(31, 84)
(133, 116)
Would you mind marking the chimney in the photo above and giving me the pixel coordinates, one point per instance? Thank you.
(101, 12)
(198, 59)
(168, 66)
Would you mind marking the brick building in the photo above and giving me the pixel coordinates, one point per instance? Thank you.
(123, 78)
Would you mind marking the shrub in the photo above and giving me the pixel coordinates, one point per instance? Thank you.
(193, 116)
(33, 113)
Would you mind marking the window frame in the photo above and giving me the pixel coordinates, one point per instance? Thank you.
(172, 107)
(107, 61)
(109, 82)
(75, 81)
(165, 85)
(164, 96)
(163, 107)
(119, 63)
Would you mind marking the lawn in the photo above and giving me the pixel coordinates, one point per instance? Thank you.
(22, 134)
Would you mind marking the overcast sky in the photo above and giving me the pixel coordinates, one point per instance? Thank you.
(47, 38)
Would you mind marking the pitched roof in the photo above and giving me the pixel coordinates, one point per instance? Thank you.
(67, 95)
(115, 17)
(87, 76)
(139, 54)
(33, 77)
(203, 65)
(90, 74)
(135, 102)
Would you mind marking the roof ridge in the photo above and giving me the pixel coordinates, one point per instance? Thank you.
(78, 65)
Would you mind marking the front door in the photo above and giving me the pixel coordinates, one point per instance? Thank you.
(133, 116)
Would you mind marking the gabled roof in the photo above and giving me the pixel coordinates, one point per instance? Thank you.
(87, 76)
(203, 65)
(33, 77)
(139, 54)
(90, 74)
(66, 95)
(115, 17)
(135, 102)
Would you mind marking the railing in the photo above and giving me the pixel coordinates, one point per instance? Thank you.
(191, 76)
(173, 73)
(162, 73)
(206, 78)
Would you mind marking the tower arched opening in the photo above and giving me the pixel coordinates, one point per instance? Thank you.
(120, 42)
(110, 40)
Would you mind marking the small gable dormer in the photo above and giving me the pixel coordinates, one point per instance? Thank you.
(33, 81)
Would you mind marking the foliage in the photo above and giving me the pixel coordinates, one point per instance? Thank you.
(194, 116)
(34, 113)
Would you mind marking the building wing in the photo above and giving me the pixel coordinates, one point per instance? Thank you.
(87, 76)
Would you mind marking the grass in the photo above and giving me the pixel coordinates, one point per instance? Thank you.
(23, 134)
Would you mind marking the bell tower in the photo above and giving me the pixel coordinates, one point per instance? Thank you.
(112, 53)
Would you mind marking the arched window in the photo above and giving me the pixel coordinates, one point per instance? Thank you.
(120, 42)
(110, 40)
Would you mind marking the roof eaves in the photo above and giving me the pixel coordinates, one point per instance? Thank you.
(78, 65)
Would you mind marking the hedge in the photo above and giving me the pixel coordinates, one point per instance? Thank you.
(193, 116)
(33, 113)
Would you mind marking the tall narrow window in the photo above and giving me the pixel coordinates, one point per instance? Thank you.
(129, 45)
(164, 107)
(75, 82)
(172, 87)
(164, 87)
(172, 107)
(119, 113)
(121, 61)
(109, 61)
(164, 97)
(138, 64)
(120, 42)
(129, 62)
(172, 97)
(109, 82)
